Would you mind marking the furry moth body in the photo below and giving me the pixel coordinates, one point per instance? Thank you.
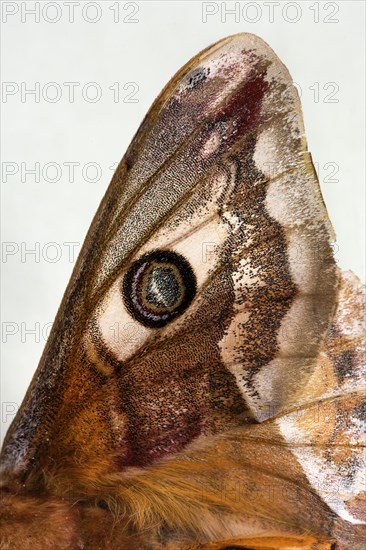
(229, 406)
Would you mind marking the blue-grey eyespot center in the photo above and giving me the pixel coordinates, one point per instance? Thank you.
(163, 290)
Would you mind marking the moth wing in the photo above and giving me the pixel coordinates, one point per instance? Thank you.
(219, 173)
(326, 430)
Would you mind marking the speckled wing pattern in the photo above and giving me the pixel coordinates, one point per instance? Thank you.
(327, 429)
(203, 378)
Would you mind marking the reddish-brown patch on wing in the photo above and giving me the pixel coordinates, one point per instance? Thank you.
(243, 108)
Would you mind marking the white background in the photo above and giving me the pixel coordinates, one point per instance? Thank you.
(144, 43)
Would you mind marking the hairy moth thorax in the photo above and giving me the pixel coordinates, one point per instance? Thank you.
(192, 388)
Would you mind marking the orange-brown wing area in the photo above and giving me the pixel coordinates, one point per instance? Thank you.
(268, 543)
(30, 523)
(257, 477)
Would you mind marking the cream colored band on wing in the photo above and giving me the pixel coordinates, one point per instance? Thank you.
(195, 231)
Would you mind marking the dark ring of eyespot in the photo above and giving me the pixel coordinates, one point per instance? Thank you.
(159, 287)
